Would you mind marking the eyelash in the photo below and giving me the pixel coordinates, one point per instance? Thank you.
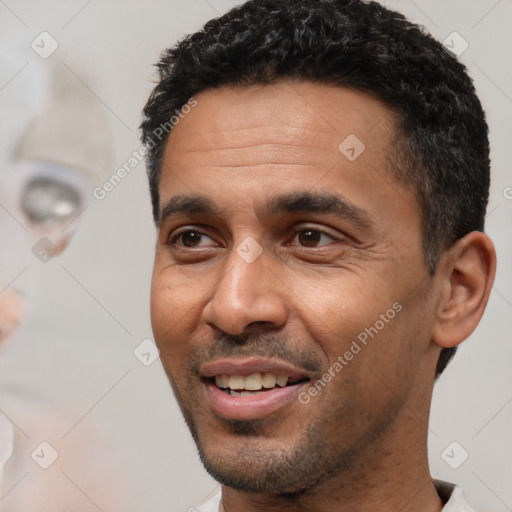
(173, 240)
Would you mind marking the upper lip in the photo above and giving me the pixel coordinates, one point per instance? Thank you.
(249, 365)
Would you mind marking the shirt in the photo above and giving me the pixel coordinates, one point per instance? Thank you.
(451, 495)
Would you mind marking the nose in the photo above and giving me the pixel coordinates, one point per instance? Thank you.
(246, 295)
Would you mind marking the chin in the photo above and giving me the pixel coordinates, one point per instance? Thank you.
(254, 477)
(261, 464)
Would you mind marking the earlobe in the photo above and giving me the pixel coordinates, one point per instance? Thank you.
(467, 273)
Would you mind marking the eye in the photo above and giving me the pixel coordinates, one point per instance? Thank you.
(310, 237)
(189, 238)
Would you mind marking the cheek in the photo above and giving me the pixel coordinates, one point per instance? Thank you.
(168, 312)
(175, 308)
(391, 354)
(160, 304)
(368, 337)
(337, 311)
(173, 297)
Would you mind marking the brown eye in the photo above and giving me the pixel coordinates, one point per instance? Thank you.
(311, 237)
(189, 238)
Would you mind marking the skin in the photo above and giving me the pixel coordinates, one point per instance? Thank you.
(361, 443)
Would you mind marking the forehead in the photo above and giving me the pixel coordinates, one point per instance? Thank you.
(287, 136)
(302, 116)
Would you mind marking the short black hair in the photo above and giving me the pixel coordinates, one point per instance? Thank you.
(440, 148)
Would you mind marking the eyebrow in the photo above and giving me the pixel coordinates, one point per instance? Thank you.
(295, 202)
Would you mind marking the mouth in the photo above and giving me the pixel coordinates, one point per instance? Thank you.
(250, 388)
(254, 384)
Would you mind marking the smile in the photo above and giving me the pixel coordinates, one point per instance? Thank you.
(256, 383)
(245, 389)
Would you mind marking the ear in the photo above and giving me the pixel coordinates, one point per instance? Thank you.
(466, 272)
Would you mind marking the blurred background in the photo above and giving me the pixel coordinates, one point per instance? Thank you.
(88, 421)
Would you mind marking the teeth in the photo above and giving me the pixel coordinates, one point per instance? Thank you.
(253, 382)
(282, 381)
(236, 382)
(269, 380)
(222, 381)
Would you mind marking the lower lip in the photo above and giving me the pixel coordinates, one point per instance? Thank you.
(250, 407)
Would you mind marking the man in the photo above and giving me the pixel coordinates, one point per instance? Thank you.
(320, 205)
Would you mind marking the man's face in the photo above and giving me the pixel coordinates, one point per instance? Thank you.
(272, 279)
